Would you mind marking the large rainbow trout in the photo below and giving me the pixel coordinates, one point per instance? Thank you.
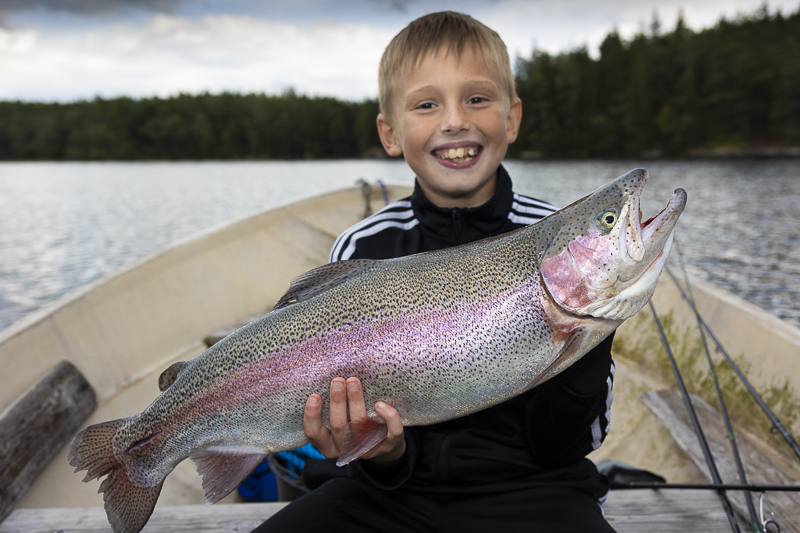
(436, 335)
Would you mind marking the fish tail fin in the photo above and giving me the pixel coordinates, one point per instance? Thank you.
(128, 507)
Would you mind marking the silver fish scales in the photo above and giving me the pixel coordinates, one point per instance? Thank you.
(436, 335)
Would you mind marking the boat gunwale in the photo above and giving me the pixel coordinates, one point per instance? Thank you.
(51, 308)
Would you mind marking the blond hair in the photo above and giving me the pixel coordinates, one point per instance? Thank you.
(430, 33)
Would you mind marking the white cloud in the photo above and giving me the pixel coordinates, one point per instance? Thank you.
(17, 42)
(558, 25)
(168, 54)
(159, 54)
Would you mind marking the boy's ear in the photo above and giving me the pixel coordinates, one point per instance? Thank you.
(514, 119)
(389, 139)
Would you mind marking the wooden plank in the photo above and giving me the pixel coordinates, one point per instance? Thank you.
(665, 511)
(225, 518)
(669, 408)
(37, 425)
(628, 511)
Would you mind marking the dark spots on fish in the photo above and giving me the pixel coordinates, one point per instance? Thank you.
(360, 313)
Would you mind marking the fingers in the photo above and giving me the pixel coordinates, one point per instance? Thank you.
(338, 411)
(317, 434)
(355, 399)
(347, 396)
(393, 446)
(392, 419)
(312, 422)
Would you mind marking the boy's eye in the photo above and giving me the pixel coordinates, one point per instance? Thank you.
(426, 105)
(476, 100)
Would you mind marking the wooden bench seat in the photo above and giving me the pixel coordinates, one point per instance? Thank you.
(628, 511)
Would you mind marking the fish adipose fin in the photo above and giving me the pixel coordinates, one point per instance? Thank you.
(360, 437)
(321, 279)
(128, 507)
(224, 469)
(169, 375)
(571, 345)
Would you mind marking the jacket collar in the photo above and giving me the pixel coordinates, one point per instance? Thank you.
(454, 226)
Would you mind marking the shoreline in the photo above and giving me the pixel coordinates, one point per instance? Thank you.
(715, 154)
(761, 152)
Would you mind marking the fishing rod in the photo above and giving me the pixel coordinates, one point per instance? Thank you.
(712, 467)
(723, 408)
(774, 419)
(751, 487)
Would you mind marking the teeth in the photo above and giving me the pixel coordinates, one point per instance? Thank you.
(458, 153)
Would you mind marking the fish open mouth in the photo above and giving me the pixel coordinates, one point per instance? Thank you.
(654, 235)
(638, 239)
(612, 274)
(664, 220)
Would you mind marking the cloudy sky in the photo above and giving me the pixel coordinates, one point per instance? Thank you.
(64, 50)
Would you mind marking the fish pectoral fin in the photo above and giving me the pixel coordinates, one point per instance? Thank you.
(361, 436)
(169, 375)
(571, 344)
(224, 469)
(320, 279)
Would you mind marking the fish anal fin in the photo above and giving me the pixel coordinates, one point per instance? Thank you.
(361, 436)
(224, 469)
(320, 279)
(169, 375)
(572, 344)
(128, 506)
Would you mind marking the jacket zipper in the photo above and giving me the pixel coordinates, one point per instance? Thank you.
(456, 215)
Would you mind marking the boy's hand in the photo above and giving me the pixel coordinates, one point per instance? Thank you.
(344, 394)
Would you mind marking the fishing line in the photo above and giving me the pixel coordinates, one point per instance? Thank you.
(723, 409)
(712, 467)
(774, 419)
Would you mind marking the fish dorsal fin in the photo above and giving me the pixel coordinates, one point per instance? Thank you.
(169, 375)
(224, 469)
(320, 279)
(360, 436)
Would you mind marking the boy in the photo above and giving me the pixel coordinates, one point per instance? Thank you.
(448, 104)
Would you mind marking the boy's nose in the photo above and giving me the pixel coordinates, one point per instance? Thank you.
(454, 121)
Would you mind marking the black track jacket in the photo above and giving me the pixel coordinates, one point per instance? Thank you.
(522, 441)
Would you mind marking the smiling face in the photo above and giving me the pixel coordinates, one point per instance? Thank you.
(453, 122)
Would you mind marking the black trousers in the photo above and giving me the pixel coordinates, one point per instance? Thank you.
(346, 505)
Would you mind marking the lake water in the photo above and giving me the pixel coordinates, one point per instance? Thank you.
(63, 225)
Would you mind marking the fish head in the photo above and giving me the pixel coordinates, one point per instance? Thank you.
(602, 260)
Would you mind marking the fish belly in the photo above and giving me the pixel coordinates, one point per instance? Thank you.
(430, 366)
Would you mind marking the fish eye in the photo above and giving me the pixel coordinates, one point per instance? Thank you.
(608, 219)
